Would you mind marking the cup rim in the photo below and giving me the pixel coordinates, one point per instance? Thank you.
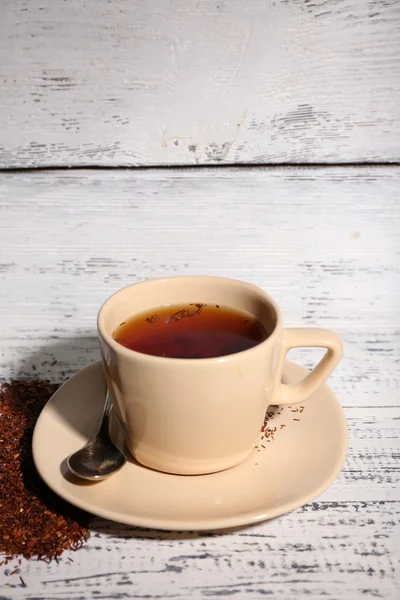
(128, 352)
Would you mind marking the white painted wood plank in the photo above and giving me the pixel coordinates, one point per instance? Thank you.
(325, 243)
(325, 550)
(186, 82)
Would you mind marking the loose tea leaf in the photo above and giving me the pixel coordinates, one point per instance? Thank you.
(34, 521)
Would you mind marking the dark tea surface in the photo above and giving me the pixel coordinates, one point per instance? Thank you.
(191, 331)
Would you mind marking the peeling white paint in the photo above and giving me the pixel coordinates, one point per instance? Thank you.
(151, 83)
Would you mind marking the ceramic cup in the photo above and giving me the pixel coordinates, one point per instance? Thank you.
(203, 415)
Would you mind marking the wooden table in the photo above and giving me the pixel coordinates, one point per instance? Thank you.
(325, 242)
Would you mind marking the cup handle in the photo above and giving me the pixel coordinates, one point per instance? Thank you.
(304, 338)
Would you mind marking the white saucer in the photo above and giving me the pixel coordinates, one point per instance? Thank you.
(299, 464)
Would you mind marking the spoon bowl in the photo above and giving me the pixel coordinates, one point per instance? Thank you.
(100, 458)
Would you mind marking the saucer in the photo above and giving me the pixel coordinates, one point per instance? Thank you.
(286, 468)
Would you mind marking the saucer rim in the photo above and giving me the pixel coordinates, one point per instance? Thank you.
(213, 524)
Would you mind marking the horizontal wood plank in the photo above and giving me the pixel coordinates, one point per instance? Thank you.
(325, 550)
(184, 82)
(325, 243)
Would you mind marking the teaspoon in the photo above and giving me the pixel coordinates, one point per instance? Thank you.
(100, 458)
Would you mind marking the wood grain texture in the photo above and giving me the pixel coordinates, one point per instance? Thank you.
(118, 83)
(325, 243)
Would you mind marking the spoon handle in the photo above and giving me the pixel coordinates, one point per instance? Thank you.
(105, 420)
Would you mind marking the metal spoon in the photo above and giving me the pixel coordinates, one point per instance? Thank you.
(100, 458)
